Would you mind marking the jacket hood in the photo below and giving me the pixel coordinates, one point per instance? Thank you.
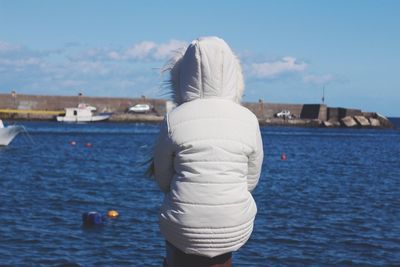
(207, 69)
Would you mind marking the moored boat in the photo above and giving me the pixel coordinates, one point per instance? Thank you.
(8, 133)
(83, 113)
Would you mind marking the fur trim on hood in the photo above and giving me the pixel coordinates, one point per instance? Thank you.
(207, 69)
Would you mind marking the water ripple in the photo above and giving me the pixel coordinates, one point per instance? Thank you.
(333, 202)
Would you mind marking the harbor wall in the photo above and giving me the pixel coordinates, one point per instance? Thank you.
(339, 113)
(302, 111)
(265, 110)
(120, 105)
(37, 107)
(103, 104)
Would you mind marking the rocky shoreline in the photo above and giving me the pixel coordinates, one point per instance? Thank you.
(371, 120)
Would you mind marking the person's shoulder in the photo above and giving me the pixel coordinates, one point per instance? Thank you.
(248, 114)
(215, 108)
(182, 108)
(179, 113)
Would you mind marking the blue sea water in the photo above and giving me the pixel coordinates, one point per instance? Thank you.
(334, 201)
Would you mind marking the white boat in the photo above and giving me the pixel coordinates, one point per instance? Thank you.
(7, 134)
(83, 113)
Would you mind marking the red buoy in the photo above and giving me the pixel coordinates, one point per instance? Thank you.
(88, 145)
(283, 156)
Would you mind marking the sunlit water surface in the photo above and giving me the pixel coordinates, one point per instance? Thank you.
(334, 201)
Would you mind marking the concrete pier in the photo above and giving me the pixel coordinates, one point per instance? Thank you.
(35, 107)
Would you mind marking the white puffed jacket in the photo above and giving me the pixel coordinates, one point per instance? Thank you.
(209, 154)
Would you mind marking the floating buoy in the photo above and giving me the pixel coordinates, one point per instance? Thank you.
(112, 214)
(88, 145)
(92, 218)
(283, 156)
(72, 143)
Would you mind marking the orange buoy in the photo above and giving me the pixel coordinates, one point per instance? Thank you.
(112, 214)
(283, 156)
(88, 145)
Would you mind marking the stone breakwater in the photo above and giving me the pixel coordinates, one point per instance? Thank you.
(362, 121)
(35, 107)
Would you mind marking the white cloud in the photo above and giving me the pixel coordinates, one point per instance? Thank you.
(87, 67)
(113, 55)
(21, 63)
(166, 50)
(6, 47)
(139, 51)
(125, 70)
(12, 54)
(269, 70)
(97, 71)
(142, 51)
(318, 79)
(92, 54)
(148, 50)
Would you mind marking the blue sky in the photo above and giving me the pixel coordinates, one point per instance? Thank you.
(290, 50)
